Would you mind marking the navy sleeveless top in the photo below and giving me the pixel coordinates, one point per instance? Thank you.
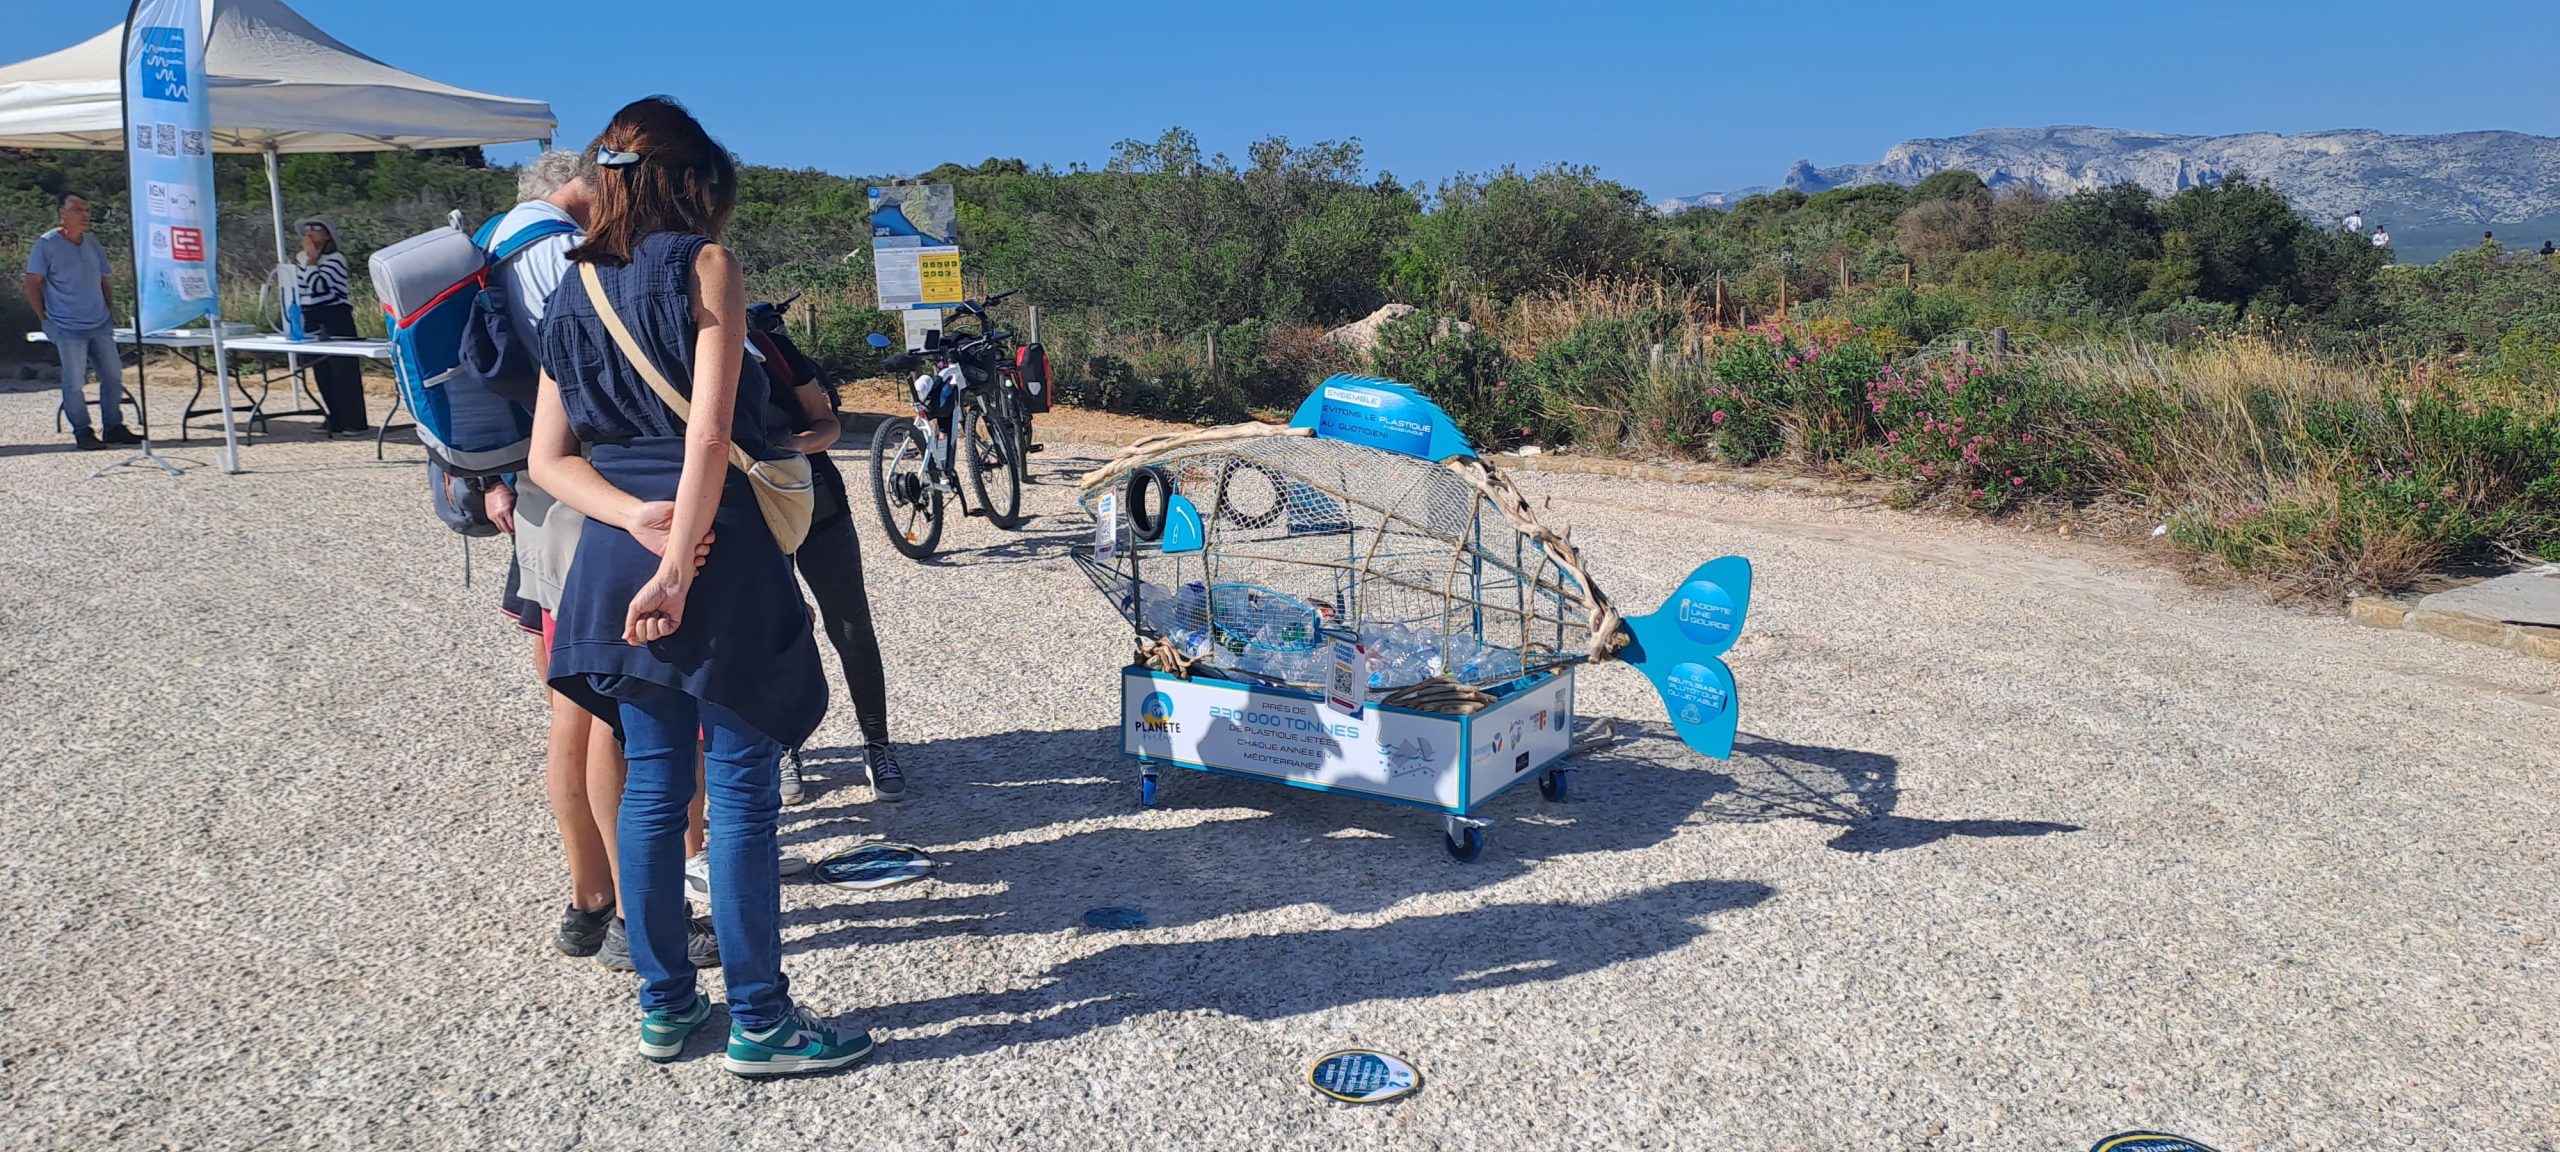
(745, 642)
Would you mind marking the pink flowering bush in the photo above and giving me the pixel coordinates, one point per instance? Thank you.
(1951, 424)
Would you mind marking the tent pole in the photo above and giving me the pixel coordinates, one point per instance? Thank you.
(275, 202)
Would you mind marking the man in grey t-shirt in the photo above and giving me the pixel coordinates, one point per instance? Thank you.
(67, 285)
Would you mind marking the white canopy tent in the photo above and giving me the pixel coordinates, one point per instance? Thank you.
(279, 85)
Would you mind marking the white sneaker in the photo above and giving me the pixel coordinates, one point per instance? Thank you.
(697, 873)
(793, 791)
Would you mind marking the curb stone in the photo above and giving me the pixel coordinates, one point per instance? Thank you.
(2526, 639)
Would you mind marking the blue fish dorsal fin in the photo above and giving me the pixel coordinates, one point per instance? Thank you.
(1183, 531)
(1378, 413)
(1678, 646)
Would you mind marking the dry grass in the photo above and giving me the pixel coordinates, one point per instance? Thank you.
(2236, 444)
(1534, 321)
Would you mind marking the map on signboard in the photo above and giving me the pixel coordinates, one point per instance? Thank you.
(915, 254)
(914, 216)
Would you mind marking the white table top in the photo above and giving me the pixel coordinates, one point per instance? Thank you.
(267, 342)
(184, 338)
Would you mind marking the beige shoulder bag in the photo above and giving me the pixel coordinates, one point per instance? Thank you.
(783, 490)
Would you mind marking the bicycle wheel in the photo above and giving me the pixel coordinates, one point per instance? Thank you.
(995, 472)
(1021, 431)
(909, 507)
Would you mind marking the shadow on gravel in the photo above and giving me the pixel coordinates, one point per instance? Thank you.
(1217, 846)
(1774, 780)
(1286, 974)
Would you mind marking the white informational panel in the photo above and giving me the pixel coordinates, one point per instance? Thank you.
(1291, 736)
(1519, 736)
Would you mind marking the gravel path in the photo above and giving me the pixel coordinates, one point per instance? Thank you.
(2026, 842)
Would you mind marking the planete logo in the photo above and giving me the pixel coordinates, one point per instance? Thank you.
(1155, 715)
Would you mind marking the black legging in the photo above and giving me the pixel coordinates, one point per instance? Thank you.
(337, 379)
(831, 561)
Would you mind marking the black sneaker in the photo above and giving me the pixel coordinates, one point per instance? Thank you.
(699, 945)
(86, 440)
(582, 932)
(119, 434)
(888, 782)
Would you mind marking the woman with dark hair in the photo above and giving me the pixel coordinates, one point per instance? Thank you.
(667, 654)
(327, 311)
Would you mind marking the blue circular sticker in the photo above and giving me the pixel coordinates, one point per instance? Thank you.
(1698, 692)
(1704, 613)
(875, 866)
(1356, 1076)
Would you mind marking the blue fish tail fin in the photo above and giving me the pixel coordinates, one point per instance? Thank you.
(1678, 647)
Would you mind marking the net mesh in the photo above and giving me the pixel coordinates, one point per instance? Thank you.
(1309, 539)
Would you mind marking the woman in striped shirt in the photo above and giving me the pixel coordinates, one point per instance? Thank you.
(327, 312)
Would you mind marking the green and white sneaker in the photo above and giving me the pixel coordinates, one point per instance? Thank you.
(662, 1034)
(799, 1044)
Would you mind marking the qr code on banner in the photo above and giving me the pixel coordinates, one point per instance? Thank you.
(194, 284)
(141, 137)
(191, 142)
(167, 142)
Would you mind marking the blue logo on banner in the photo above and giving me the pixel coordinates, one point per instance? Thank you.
(1156, 710)
(164, 64)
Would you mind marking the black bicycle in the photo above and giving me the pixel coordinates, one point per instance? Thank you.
(972, 400)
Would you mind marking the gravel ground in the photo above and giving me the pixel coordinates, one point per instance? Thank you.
(2025, 842)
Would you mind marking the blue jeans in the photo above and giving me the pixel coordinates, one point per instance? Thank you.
(742, 768)
(81, 350)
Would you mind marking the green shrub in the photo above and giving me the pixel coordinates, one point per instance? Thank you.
(1460, 369)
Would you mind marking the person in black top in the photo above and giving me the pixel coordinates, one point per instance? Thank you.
(327, 311)
(831, 558)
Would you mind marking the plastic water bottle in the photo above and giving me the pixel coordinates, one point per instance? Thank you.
(289, 290)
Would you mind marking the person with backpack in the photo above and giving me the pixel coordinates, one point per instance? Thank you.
(721, 659)
(582, 762)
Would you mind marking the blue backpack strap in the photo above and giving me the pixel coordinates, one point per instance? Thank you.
(523, 238)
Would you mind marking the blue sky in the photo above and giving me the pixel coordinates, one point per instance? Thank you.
(1670, 98)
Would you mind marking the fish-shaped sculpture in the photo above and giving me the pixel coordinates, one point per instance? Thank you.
(1265, 553)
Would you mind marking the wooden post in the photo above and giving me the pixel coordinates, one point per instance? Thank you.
(1844, 274)
(1906, 275)
(1719, 298)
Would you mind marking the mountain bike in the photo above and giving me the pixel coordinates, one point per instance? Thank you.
(972, 400)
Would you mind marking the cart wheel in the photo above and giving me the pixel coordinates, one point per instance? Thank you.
(1146, 791)
(1553, 786)
(1464, 851)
